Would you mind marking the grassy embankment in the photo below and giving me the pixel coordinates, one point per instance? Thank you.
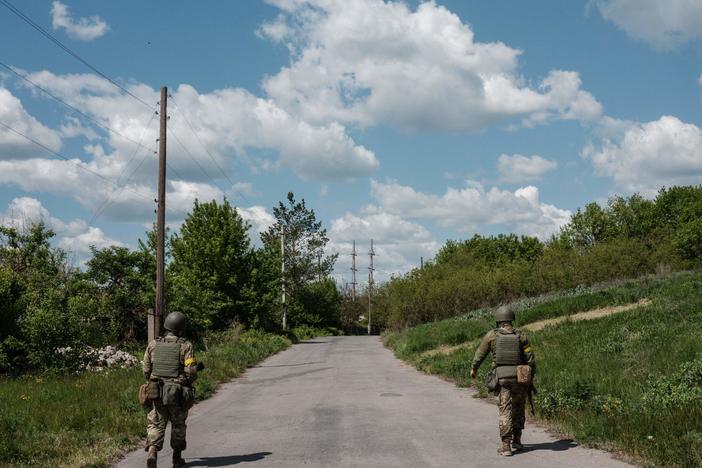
(86, 420)
(631, 381)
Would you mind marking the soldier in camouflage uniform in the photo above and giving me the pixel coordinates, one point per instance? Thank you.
(169, 361)
(509, 348)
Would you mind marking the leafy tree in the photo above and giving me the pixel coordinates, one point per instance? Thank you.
(123, 282)
(590, 226)
(212, 260)
(305, 239)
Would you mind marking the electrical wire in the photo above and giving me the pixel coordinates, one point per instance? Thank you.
(60, 44)
(56, 153)
(73, 108)
(204, 147)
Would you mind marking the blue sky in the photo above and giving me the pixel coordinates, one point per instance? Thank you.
(409, 123)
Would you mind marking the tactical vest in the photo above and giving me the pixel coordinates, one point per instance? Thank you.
(508, 354)
(166, 359)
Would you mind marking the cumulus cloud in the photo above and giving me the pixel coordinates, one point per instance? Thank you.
(228, 122)
(372, 62)
(472, 208)
(14, 146)
(399, 244)
(82, 29)
(646, 156)
(75, 236)
(665, 25)
(259, 218)
(518, 168)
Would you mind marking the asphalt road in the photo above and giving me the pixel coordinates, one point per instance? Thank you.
(348, 402)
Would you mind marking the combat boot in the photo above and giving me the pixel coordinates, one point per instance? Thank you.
(152, 459)
(517, 442)
(505, 449)
(177, 458)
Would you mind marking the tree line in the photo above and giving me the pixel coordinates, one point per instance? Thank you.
(628, 237)
(50, 310)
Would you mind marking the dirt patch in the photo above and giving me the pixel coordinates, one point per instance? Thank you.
(446, 350)
(541, 324)
(589, 315)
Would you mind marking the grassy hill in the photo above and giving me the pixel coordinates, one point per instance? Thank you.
(629, 381)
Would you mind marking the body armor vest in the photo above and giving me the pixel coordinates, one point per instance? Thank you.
(508, 354)
(166, 359)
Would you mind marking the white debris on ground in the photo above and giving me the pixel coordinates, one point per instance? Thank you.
(98, 359)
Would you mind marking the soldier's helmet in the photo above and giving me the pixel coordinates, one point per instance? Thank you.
(175, 322)
(504, 314)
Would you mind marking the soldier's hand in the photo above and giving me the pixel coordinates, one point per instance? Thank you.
(472, 373)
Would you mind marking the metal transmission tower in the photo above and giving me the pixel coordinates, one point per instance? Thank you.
(371, 269)
(353, 272)
(154, 322)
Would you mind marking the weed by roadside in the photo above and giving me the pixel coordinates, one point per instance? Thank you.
(630, 381)
(86, 419)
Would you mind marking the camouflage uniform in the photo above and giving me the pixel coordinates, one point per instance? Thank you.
(161, 414)
(512, 396)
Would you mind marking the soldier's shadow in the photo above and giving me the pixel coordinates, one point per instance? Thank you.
(556, 446)
(228, 460)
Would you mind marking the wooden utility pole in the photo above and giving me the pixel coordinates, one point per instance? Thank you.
(282, 271)
(353, 272)
(155, 323)
(371, 254)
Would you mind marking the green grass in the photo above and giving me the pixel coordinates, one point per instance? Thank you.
(631, 381)
(88, 419)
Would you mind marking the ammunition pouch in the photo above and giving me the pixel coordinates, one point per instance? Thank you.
(188, 397)
(148, 393)
(172, 392)
(524, 375)
(492, 381)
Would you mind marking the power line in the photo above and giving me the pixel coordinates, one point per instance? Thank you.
(204, 147)
(49, 150)
(113, 196)
(187, 151)
(192, 129)
(53, 39)
(73, 108)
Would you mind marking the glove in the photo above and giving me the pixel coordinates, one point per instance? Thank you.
(473, 373)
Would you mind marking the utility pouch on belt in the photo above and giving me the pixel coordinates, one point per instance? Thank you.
(524, 375)
(188, 397)
(491, 381)
(142, 396)
(171, 393)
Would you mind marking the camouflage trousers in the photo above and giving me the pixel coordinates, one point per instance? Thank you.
(511, 403)
(158, 417)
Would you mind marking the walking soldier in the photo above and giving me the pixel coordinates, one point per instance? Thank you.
(170, 369)
(513, 367)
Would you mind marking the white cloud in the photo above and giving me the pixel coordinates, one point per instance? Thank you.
(518, 168)
(665, 25)
(75, 236)
(398, 243)
(259, 218)
(372, 62)
(646, 156)
(473, 208)
(228, 122)
(14, 146)
(699, 80)
(83, 29)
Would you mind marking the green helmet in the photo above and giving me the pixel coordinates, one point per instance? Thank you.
(175, 322)
(504, 314)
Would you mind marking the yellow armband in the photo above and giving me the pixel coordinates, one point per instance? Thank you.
(190, 361)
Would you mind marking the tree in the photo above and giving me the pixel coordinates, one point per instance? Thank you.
(212, 260)
(305, 240)
(124, 285)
